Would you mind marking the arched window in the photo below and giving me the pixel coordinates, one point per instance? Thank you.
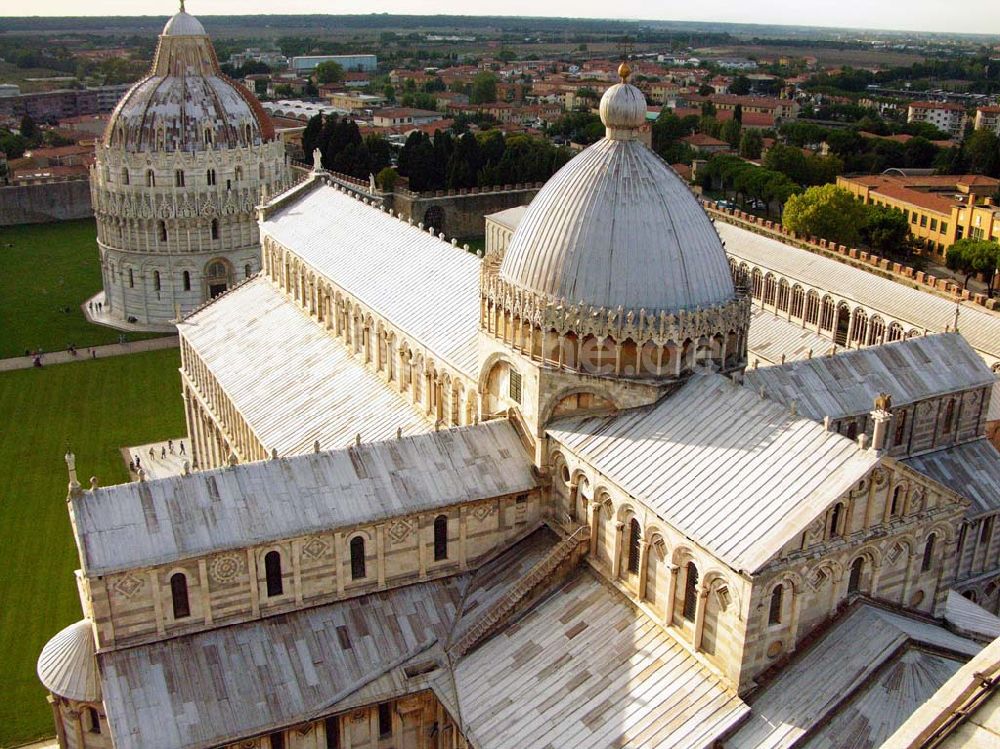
(91, 721)
(208, 136)
(179, 595)
(210, 176)
(156, 280)
(124, 176)
(150, 178)
(272, 571)
(131, 279)
(357, 558)
(249, 133)
(260, 171)
(238, 173)
(928, 559)
(835, 519)
(900, 428)
(774, 613)
(247, 271)
(440, 538)
(161, 229)
(949, 416)
(215, 228)
(897, 501)
(857, 569)
(690, 592)
(634, 533)
(187, 281)
(179, 178)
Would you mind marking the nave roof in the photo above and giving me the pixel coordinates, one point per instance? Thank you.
(417, 282)
(153, 522)
(293, 382)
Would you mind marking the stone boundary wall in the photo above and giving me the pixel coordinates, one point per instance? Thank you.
(45, 202)
(943, 287)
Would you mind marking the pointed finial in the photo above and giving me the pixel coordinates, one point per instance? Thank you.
(624, 71)
(74, 484)
(182, 7)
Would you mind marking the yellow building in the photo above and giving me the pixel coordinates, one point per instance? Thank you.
(941, 208)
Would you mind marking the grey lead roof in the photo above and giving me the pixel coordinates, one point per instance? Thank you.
(972, 469)
(617, 227)
(922, 310)
(147, 523)
(585, 669)
(420, 284)
(846, 384)
(734, 472)
(276, 364)
(772, 337)
(839, 678)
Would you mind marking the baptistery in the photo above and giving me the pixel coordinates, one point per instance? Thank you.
(178, 175)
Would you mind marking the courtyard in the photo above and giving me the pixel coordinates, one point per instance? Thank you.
(93, 408)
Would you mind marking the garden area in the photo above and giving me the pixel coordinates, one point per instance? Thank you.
(92, 407)
(49, 270)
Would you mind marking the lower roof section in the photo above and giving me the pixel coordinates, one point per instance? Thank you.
(861, 678)
(213, 688)
(972, 468)
(585, 669)
(772, 340)
(291, 381)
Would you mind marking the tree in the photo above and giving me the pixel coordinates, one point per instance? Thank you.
(312, 136)
(981, 152)
(740, 86)
(751, 144)
(29, 130)
(738, 114)
(484, 88)
(730, 132)
(464, 163)
(971, 256)
(386, 179)
(329, 72)
(886, 230)
(826, 211)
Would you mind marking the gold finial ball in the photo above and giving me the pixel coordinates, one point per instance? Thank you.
(624, 71)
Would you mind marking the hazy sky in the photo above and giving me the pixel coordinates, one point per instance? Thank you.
(981, 16)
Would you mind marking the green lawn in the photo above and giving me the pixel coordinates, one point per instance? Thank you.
(95, 407)
(49, 268)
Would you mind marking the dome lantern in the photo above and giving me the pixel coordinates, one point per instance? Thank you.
(623, 107)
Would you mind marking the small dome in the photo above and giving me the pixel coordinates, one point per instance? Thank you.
(623, 108)
(186, 103)
(183, 24)
(617, 227)
(67, 665)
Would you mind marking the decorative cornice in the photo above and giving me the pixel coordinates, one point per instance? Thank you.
(640, 325)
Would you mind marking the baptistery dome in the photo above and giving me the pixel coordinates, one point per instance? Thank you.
(184, 161)
(185, 103)
(616, 227)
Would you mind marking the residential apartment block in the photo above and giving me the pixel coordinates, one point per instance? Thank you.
(944, 115)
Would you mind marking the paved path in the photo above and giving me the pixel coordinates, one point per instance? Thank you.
(166, 459)
(95, 352)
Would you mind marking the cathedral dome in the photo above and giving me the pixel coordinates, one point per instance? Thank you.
(183, 24)
(616, 227)
(67, 666)
(186, 103)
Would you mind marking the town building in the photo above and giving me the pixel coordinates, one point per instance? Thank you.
(183, 163)
(946, 116)
(396, 116)
(988, 118)
(941, 208)
(524, 499)
(304, 64)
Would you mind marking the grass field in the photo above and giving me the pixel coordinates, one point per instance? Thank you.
(95, 407)
(49, 268)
